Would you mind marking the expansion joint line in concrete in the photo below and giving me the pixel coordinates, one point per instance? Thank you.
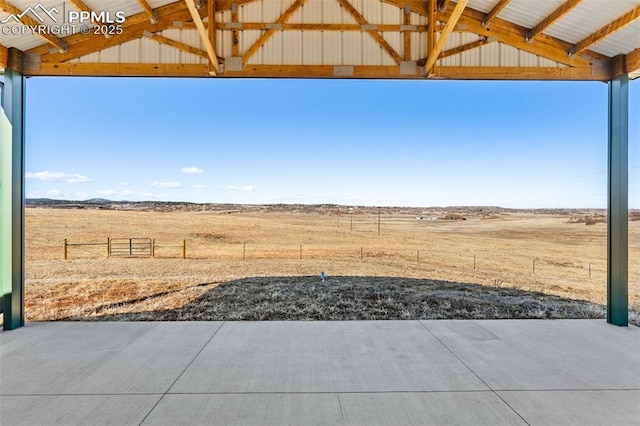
(183, 371)
(473, 372)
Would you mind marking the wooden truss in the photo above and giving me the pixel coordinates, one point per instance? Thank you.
(440, 18)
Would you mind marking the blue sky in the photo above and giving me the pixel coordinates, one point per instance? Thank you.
(399, 143)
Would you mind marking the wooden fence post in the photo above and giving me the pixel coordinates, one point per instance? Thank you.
(184, 249)
(153, 247)
(108, 248)
(64, 249)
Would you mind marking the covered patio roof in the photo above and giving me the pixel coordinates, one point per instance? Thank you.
(576, 40)
(467, 39)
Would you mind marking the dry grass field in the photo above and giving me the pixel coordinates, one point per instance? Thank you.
(226, 245)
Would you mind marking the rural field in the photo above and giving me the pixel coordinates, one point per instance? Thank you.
(551, 252)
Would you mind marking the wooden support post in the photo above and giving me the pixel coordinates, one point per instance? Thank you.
(153, 248)
(184, 249)
(108, 247)
(64, 249)
(235, 34)
(406, 51)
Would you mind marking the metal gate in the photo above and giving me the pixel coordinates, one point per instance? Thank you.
(130, 247)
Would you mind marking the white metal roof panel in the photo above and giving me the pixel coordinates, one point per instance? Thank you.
(589, 17)
(620, 42)
(528, 13)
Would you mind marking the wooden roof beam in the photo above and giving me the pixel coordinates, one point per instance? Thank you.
(28, 20)
(632, 61)
(4, 56)
(82, 6)
(225, 26)
(468, 46)
(434, 51)
(152, 14)
(553, 17)
(486, 20)
(177, 44)
(271, 31)
(317, 71)
(406, 45)
(204, 35)
(211, 22)
(513, 35)
(431, 21)
(224, 5)
(373, 33)
(133, 28)
(442, 5)
(606, 31)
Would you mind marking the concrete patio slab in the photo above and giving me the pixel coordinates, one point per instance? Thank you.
(71, 410)
(98, 358)
(353, 373)
(545, 354)
(362, 356)
(576, 407)
(427, 408)
(247, 409)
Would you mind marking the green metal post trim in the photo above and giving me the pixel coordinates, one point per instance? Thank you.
(618, 203)
(12, 199)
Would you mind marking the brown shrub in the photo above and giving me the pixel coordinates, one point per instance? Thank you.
(453, 216)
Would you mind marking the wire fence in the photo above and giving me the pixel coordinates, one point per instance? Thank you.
(450, 257)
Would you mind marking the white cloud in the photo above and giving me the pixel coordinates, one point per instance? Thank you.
(169, 185)
(58, 177)
(125, 183)
(34, 194)
(192, 171)
(246, 188)
(199, 187)
(81, 195)
(54, 193)
(106, 192)
(127, 193)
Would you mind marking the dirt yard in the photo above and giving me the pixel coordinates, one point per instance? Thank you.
(538, 252)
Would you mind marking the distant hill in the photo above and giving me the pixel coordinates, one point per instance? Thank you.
(331, 209)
